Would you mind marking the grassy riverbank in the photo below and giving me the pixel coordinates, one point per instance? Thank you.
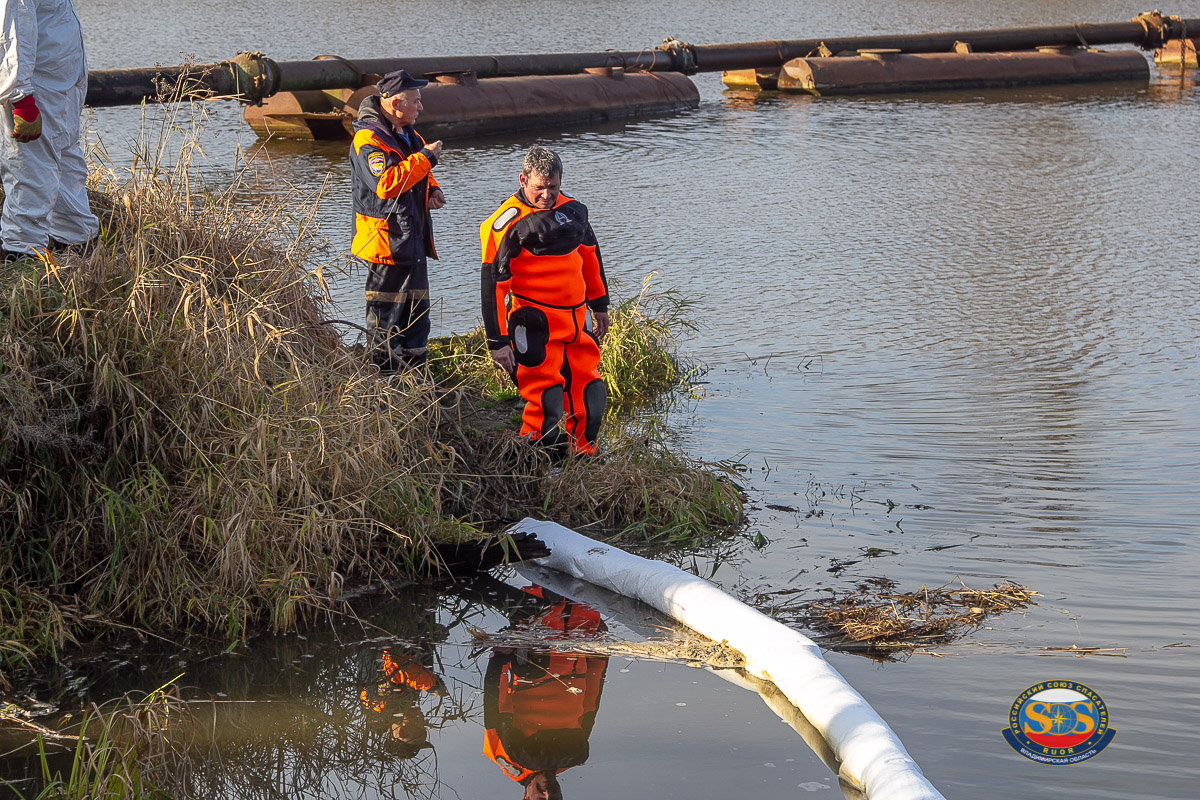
(185, 443)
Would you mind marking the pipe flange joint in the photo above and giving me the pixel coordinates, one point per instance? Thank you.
(1155, 26)
(683, 55)
(256, 77)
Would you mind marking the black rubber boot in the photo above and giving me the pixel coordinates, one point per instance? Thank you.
(84, 249)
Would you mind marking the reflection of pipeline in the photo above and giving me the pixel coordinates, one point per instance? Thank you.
(872, 757)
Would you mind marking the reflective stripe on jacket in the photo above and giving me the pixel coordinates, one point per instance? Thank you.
(391, 180)
(407, 670)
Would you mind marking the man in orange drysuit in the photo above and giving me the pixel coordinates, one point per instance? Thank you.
(541, 273)
(539, 708)
(394, 189)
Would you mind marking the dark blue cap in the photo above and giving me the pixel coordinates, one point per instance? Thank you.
(398, 81)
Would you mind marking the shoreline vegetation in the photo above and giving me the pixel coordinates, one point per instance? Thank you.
(186, 443)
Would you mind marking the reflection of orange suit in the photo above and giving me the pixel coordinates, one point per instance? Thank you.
(539, 712)
(403, 672)
(393, 703)
(541, 271)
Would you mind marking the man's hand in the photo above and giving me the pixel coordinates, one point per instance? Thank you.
(600, 318)
(504, 358)
(437, 198)
(27, 120)
(435, 148)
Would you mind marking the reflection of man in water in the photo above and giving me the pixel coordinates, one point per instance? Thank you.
(393, 704)
(539, 708)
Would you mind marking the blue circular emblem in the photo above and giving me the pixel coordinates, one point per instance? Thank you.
(1058, 722)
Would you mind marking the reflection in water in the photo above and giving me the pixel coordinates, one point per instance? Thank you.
(277, 719)
(331, 715)
(539, 707)
(393, 704)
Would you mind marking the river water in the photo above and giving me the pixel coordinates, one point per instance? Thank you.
(948, 337)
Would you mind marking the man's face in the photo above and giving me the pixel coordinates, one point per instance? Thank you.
(542, 787)
(541, 191)
(406, 106)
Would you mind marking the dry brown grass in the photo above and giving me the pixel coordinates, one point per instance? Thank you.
(183, 441)
(635, 489)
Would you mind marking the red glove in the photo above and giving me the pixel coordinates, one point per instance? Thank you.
(27, 121)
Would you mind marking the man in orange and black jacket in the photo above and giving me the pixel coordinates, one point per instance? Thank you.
(394, 190)
(542, 271)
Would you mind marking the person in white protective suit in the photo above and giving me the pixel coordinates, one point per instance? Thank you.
(43, 82)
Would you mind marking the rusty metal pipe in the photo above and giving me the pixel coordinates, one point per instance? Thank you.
(251, 77)
(233, 78)
(748, 55)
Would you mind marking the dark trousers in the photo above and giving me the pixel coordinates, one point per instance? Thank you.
(398, 314)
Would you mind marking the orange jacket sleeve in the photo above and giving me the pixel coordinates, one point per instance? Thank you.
(400, 177)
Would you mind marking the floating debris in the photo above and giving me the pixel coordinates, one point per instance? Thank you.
(1080, 652)
(695, 649)
(902, 621)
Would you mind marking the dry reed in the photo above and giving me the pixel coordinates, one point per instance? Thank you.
(886, 621)
(689, 648)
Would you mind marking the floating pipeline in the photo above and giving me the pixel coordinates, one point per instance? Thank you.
(469, 95)
(252, 77)
(1024, 57)
(461, 105)
(498, 94)
(889, 71)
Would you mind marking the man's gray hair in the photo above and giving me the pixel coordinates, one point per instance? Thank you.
(541, 161)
